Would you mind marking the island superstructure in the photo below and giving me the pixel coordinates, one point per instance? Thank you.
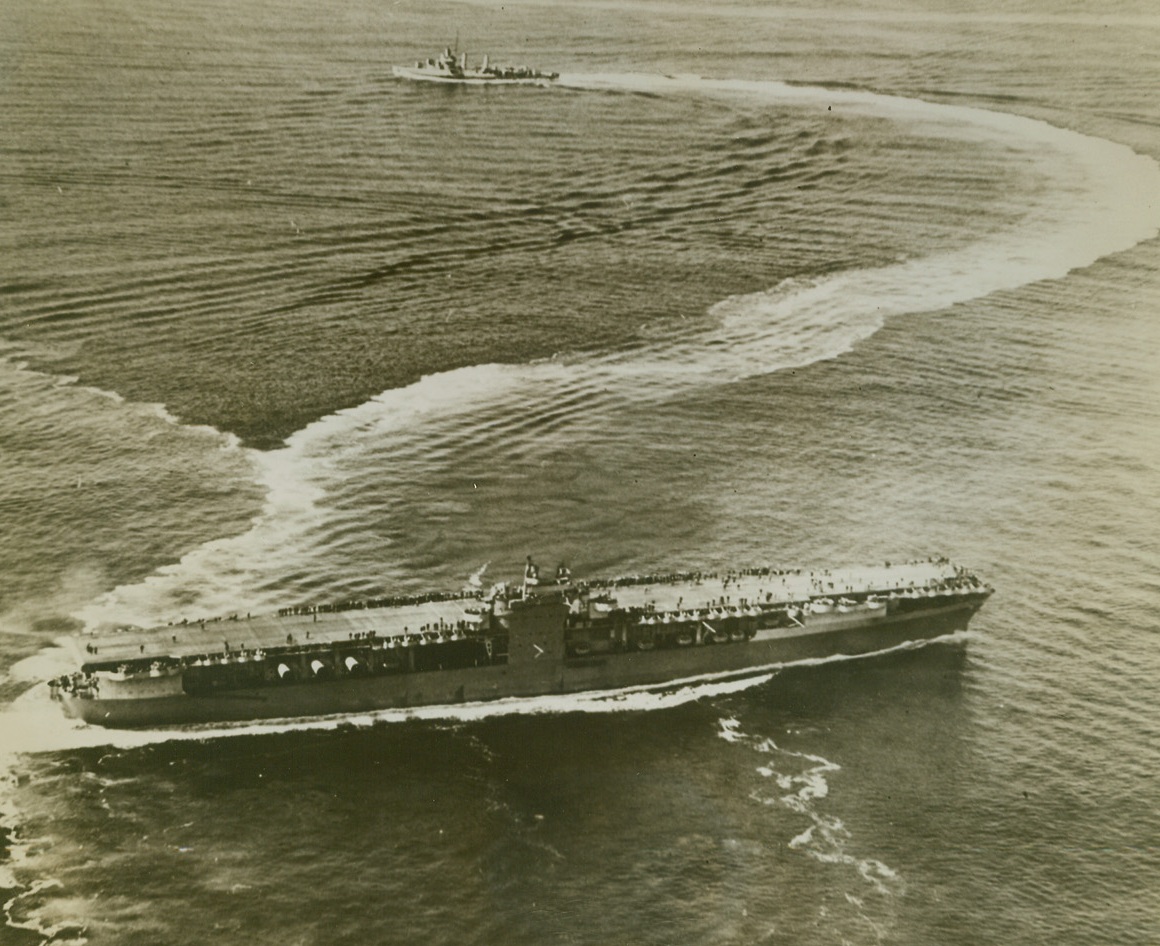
(538, 636)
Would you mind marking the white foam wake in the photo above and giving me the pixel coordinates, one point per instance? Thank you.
(34, 723)
(802, 780)
(62, 440)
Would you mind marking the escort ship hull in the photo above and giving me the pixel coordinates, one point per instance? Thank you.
(424, 74)
(453, 70)
(542, 640)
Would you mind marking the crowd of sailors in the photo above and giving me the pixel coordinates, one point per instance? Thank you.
(868, 596)
(733, 575)
(821, 581)
(81, 682)
(392, 601)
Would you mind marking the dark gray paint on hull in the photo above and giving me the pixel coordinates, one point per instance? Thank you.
(520, 678)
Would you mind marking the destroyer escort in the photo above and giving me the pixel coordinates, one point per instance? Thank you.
(540, 636)
(452, 69)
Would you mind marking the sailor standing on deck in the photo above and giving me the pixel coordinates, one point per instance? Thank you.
(531, 574)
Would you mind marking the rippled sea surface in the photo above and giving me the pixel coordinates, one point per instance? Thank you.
(750, 285)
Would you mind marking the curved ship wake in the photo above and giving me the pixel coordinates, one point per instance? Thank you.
(1084, 206)
(1092, 211)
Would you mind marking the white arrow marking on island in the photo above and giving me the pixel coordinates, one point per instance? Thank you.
(539, 651)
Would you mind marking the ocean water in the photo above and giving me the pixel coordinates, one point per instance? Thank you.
(751, 285)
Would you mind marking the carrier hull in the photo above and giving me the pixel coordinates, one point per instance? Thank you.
(539, 662)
